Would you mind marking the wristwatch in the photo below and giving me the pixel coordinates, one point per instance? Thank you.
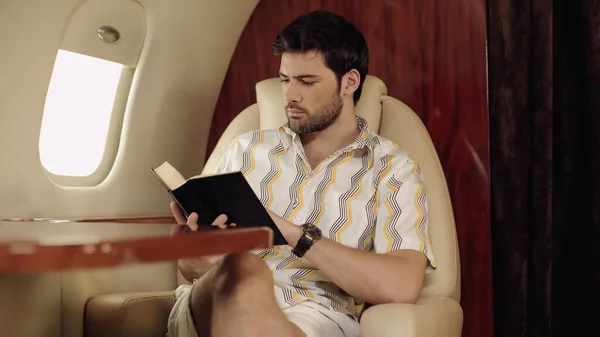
(310, 235)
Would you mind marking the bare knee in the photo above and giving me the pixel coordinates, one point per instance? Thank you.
(242, 265)
(241, 275)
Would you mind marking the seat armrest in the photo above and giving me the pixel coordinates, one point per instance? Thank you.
(130, 314)
(432, 316)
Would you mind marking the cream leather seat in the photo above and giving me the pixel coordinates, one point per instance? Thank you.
(437, 313)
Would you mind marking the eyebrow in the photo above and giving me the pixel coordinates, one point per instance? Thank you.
(301, 76)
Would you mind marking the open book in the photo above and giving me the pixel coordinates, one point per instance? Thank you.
(214, 194)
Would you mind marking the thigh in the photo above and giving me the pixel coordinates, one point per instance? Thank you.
(312, 322)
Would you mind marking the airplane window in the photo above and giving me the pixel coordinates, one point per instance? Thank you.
(77, 113)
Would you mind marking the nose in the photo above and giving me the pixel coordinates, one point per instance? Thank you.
(291, 92)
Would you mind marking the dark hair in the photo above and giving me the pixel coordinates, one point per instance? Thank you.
(342, 45)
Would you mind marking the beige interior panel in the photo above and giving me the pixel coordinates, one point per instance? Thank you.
(30, 305)
(78, 287)
(180, 66)
(126, 16)
(179, 73)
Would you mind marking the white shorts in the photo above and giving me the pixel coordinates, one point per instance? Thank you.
(307, 318)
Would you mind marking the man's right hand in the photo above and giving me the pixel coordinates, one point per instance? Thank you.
(193, 268)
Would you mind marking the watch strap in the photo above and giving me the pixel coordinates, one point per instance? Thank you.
(310, 234)
(302, 246)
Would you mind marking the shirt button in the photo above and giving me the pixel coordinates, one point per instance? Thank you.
(297, 218)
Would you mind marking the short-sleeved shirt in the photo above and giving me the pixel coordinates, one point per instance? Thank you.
(369, 195)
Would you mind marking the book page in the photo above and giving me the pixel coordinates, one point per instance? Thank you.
(169, 175)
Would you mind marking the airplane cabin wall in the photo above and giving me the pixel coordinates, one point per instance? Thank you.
(183, 60)
(430, 55)
(185, 52)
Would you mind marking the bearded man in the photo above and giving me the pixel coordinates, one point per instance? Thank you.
(351, 205)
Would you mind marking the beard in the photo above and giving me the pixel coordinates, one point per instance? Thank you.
(318, 120)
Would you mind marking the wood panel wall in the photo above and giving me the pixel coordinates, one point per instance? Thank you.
(431, 55)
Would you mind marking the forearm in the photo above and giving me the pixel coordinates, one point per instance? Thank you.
(374, 278)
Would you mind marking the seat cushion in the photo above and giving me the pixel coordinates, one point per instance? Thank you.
(128, 315)
(401, 125)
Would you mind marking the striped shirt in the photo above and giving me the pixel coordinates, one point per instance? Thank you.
(369, 195)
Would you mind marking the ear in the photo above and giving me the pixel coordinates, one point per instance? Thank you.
(350, 83)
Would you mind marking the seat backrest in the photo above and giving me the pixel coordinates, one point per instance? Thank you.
(393, 120)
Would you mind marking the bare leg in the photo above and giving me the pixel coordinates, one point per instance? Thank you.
(201, 302)
(239, 290)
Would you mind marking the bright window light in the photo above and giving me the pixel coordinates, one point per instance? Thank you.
(77, 113)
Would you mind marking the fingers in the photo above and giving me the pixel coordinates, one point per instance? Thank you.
(220, 221)
(177, 213)
(192, 222)
(190, 225)
(179, 219)
(176, 230)
(183, 225)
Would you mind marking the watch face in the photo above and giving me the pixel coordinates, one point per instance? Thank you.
(313, 231)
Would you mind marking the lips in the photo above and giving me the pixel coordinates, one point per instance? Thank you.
(295, 113)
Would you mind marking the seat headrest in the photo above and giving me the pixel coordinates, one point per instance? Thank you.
(271, 103)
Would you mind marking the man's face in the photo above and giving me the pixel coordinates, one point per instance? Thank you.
(311, 92)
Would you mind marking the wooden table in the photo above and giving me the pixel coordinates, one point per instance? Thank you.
(46, 246)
